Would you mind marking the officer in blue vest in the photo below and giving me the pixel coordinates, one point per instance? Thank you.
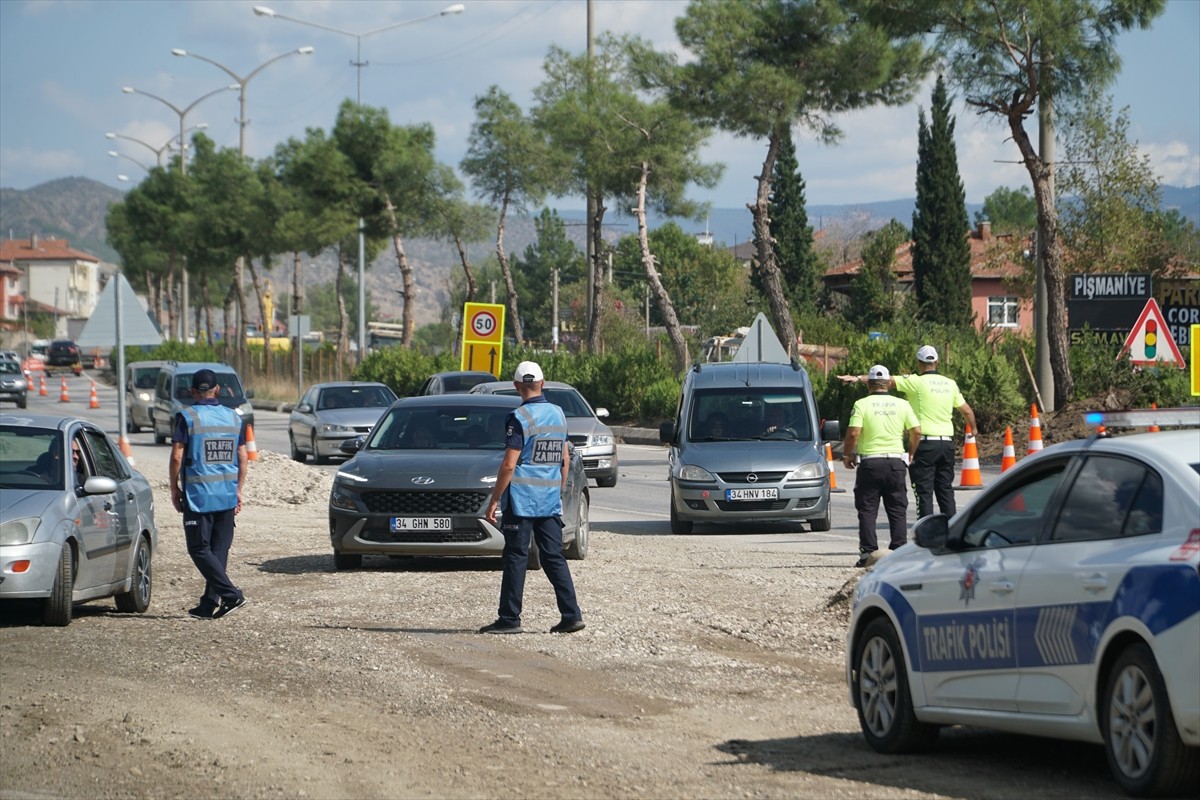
(528, 492)
(208, 469)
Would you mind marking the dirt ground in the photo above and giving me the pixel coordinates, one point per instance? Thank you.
(705, 671)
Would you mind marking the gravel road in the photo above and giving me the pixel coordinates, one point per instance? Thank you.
(704, 671)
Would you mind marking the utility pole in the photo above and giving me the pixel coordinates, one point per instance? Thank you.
(554, 318)
(591, 200)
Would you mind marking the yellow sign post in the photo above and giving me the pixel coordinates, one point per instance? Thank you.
(483, 337)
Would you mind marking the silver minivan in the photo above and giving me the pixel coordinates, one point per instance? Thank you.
(746, 445)
(140, 380)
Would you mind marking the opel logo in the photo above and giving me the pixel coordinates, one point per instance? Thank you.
(751, 478)
(421, 480)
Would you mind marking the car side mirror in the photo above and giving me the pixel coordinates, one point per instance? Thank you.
(99, 485)
(601, 412)
(831, 430)
(352, 446)
(666, 432)
(249, 394)
(932, 532)
(304, 408)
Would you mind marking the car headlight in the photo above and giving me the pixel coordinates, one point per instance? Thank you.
(817, 469)
(330, 428)
(341, 498)
(246, 408)
(144, 397)
(690, 472)
(19, 384)
(602, 438)
(19, 531)
(239, 411)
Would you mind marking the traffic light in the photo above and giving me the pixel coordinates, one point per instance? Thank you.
(1151, 339)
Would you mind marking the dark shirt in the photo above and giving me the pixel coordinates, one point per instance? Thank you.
(514, 434)
(180, 436)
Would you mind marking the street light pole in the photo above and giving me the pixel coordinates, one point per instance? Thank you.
(158, 151)
(115, 154)
(358, 64)
(182, 113)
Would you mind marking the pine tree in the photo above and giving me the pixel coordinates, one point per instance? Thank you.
(799, 266)
(941, 252)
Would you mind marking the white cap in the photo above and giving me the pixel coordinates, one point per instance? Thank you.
(528, 372)
(927, 355)
(878, 373)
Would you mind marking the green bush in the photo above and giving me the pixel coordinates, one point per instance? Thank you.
(168, 351)
(402, 369)
(1100, 370)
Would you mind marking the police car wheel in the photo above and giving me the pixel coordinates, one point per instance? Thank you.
(882, 696)
(679, 527)
(1141, 741)
(296, 454)
(824, 522)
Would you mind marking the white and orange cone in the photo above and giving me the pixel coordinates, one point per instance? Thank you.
(971, 477)
(126, 450)
(833, 487)
(93, 401)
(42, 385)
(1009, 459)
(63, 397)
(251, 447)
(1035, 431)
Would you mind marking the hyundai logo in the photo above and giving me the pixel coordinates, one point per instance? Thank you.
(421, 480)
(751, 478)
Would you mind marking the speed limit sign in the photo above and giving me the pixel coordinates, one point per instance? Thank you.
(485, 323)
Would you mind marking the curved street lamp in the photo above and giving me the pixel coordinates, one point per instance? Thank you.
(182, 114)
(115, 154)
(241, 84)
(158, 151)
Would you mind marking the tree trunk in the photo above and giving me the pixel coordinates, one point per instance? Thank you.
(472, 287)
(514, 314)
(674, 332)
(406, 273)
(231, 350)
(764, 249)
(240, 335)
(172, 306)
(597, 288)
(154, 296)
(206, 301)
(1050, 250)
(265, 325)
(343, 347)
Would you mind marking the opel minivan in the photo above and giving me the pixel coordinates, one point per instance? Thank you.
(173, 391)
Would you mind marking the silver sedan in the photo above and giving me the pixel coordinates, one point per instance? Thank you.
(76, 521)
(330, 413)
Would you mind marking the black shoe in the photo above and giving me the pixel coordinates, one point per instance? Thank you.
(568, 626)
(863, 560)
(201, 612)
(229, 608)
(501, 627)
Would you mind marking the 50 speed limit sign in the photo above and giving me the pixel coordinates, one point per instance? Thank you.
(483, 337)
(484, 325)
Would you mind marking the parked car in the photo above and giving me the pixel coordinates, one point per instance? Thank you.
(330, 413)
(592, 438)
(72, 528)
(173, 392)
(419, 484)
(64, 353)
(37, 350)
(14, 386)
(140, 379)
(1064, 603)
(453, 382)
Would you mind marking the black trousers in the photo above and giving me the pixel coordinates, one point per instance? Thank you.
(209, 537)
(547, 532)
(881, 479)
(932, 473)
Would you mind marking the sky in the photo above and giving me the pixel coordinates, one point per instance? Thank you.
(63, 64)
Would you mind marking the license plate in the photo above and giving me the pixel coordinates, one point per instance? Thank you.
(420, 524)
(752, 494)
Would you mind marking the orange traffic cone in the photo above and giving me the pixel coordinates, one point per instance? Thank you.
(251, 447)
(833, 487)
(1153, 425)
(93, 401)
(42, 385)
(62, 396)
(1035, 431)
(971, 478)
(126, 450)
(1009, 459)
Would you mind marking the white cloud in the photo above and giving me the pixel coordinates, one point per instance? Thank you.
(1174, 162)
(24, 161)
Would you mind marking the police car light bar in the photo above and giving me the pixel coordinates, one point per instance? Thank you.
(1145, 417)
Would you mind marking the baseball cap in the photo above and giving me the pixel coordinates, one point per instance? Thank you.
(528, 372)
(927, 355)
(203, 380)
(878, 373)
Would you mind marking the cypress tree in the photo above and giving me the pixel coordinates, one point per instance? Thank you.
(799, 266)
(941, 252)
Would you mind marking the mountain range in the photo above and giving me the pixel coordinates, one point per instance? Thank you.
(75, 208)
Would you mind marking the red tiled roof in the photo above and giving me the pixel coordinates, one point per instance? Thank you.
(12, 250)
(990, 258)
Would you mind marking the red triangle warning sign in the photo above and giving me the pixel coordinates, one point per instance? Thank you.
(1150, 341)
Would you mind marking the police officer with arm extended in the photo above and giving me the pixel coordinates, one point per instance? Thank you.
(208, 451)
(877, 428)
(528, 492)
(934, 397)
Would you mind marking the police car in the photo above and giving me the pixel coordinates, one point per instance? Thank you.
(1064, 602)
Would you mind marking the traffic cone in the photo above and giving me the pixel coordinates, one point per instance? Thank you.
(251, 447)
(833, 487)
(126, 450)
(62, 396)
(971, 477)
(1153, 425)
(1035, 431)
(42, 385)
(1009, 459)
(93, 401)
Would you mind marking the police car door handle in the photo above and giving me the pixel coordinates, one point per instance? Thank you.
(1002, 587)
(1095, 582)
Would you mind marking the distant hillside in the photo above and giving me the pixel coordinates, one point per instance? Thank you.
(67, 208)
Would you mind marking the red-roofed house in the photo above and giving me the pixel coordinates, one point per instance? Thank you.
(56, 277)
(994, 266)
(11, 299)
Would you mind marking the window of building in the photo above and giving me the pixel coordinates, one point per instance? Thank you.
(1004, 311)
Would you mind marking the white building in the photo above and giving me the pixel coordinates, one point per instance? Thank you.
(57, 278)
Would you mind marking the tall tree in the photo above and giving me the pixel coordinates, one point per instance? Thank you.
(758, 69)
(1014, 57)
(507, 162)
(873, 297)
(551, 254)
(1009, 211)
(799, 266)
(941, 252)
